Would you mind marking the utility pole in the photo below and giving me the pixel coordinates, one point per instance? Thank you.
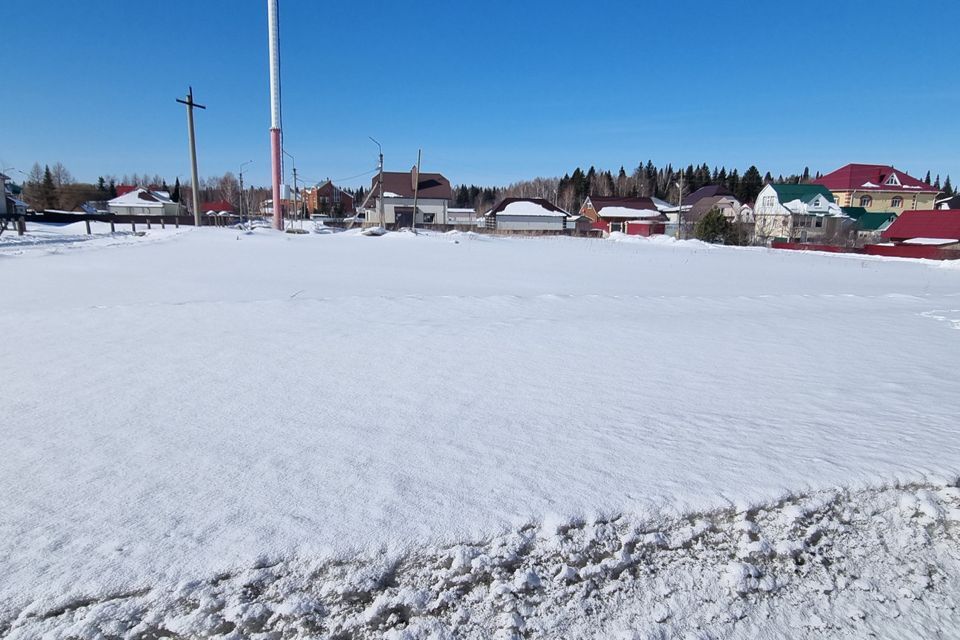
(296, 202)
(679, 204)
(242, 193)
(293, 161)
(193, 154)
(416, 191)
(380, 183)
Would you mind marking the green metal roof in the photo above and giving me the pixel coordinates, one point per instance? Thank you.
(874, 220)
(801, 192)
(854, 212)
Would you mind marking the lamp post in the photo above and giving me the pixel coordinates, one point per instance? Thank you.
(679, 204)
(293, 163)
(380, 183)
(242, 165)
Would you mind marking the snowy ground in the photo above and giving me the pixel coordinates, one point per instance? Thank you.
(211, 433)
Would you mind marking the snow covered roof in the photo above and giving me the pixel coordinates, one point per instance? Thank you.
(626, 212)
(140, 197)
(528, 207)
(936, 223)
(931, 241)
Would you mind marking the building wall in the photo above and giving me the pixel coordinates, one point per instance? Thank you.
(883, 200)
(167, 209)
(424, 206)
(506, 222)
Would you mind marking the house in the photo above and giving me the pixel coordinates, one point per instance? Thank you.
(328, 198)
(928, 228)
(707, 191)
(140, 201)
(463, 217)
(526, 214)
(727, 205)
(953, 202)
(869, 224)
(798, 212)
(5, 207)
(610, 213)
(877, 187)
(433, 199)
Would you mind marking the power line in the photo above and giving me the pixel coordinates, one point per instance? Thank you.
(359, 175)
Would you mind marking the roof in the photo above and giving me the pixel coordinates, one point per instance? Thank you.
(639, 204)
(709, 191)
(872, 177)
(142, 198)
(801, 192)
(949, 203)
(944, 223)
(399, 183)
(869, 220)
(217, 205)
(527, 207)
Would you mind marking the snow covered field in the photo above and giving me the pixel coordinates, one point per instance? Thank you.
(207, 433)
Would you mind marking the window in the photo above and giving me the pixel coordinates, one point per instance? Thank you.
(893, 180)
(896, 202)
(866, 201)
(819, 221)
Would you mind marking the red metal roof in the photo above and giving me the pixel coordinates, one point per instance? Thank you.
(944, 223)
(216, 205)
(872, 177)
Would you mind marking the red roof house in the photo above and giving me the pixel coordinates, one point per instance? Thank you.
(925, 227)
(217, 206)
(873, 177)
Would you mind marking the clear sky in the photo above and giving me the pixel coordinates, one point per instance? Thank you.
(493, 91)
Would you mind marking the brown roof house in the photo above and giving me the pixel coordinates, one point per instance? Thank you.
(433, 195)
(610, 213)
(328, 199)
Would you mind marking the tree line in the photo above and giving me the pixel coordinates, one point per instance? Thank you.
(646, 180)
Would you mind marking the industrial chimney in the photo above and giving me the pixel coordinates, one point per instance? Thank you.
(276, 147)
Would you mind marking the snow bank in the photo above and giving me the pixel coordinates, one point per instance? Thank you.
(187, 413)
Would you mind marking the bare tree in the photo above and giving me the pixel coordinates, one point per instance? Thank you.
(61, 175)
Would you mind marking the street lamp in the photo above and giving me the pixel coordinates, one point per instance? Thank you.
(293, 162)
(679, 205)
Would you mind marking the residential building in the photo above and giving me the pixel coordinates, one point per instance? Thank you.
(798, 212)
(140, 201)
(953, 202)
(217, 206)
(877, 187)
(526, 214)
(611, 213)
(462, 217)
(329, 199)
(707, 191)
(4, 196)
(927, 228)
(433, 196)
(869, 224)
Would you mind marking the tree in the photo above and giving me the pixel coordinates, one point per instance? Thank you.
(713, 227)
(750, 185)
(947, 187)
(101, 184)
(61, 175)
(926, 180)
(113, 189)
(806, 175)
(48, 190)
(175, 196)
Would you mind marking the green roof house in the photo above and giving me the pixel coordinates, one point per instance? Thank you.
(799, 212)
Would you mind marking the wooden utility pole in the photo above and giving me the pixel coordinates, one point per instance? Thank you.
(416, 191)
(193, 154)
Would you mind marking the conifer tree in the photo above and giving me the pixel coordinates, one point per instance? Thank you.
(175, 196)
(947, 187)
(112, 190)
(926, 180)
(101, 185)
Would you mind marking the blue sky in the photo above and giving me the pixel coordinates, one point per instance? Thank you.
(492, 91)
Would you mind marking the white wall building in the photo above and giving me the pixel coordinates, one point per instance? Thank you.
(433, 196)
(141, 202)
(526, 214)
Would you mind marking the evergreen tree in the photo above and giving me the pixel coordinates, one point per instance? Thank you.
(175, 196)
(926, 180)
(48, 190)
(101, 185)
(112, 190)
(947, 187)
(767, 179)
(936, 183)
(750, 185)
(806, 175)
(713, 227)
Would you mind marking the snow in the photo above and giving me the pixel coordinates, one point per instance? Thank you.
(933, 241)
(391, 194)
(527, 208)
(200, 421)
(869, 185)
(627, 212)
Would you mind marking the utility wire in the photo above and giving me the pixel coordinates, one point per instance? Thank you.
(359, 175)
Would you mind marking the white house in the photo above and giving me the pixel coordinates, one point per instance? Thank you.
(141, 202)
(433, 196)
(526, 214)
(797, 212)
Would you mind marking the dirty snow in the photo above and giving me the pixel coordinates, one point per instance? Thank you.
(210, 433)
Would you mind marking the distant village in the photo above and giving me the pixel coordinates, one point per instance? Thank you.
(863, 208)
